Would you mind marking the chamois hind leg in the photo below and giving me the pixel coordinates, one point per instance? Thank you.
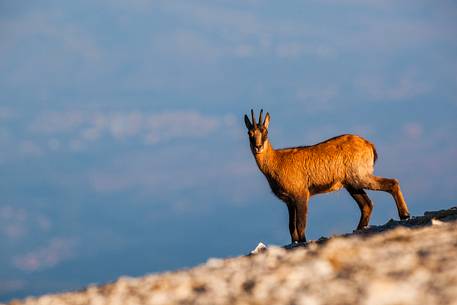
(302, 213)
(364, 203)
(391, 186)
(292, 221)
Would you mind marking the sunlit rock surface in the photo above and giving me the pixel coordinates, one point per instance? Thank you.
(409, 262)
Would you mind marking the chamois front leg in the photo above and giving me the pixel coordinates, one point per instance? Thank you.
(292, 221)
(302, 213)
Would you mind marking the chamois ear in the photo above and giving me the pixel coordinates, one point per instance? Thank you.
(267, 121)
(247, 122)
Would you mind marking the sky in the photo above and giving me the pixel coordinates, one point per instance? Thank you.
(123, 150)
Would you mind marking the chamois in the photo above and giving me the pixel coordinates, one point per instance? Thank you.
(295, 174)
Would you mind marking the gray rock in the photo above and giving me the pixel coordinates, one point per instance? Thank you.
(401, 262)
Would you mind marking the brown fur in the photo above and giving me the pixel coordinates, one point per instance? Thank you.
(295, 174)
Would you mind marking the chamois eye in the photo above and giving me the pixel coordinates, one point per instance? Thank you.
(251, 134)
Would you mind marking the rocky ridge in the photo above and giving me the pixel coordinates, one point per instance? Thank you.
(401, 262)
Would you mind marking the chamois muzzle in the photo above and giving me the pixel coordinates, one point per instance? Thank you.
(258, 149)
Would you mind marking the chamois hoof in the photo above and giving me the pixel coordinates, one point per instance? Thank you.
(405, 217)
(292, 245)
(360, 229)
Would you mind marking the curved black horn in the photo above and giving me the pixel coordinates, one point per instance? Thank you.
(260, 117)
(253, 119)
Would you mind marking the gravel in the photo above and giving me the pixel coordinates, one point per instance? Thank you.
(401, 262)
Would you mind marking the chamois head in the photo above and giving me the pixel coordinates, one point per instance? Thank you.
(257, 131)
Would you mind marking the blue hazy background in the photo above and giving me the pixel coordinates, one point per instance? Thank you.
(122, 145)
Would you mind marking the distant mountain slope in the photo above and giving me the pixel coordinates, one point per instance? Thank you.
(409, 262)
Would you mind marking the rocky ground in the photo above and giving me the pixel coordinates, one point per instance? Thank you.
(408, 262)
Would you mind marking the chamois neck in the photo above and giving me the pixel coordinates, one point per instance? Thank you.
(265, 160)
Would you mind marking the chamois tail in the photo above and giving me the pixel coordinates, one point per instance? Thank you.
(375, 153)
